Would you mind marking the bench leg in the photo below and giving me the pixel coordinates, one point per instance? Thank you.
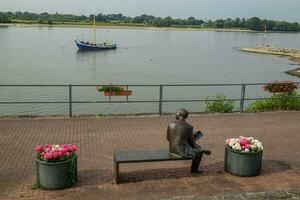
(116, 172)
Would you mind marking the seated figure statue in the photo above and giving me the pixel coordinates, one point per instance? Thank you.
(182, 140)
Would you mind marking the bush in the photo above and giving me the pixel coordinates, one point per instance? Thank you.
(111, 88)
(281, 87)
(4, 18)
(219, 103)
(273, 104)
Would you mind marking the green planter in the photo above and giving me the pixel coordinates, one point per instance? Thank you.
(58, 175)
(242, 163)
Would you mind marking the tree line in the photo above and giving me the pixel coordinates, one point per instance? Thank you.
(253, 23)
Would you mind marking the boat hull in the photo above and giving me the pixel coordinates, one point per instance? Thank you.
(88, 46)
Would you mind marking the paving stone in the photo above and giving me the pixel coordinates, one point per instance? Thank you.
(98, 138)
(294, 192)
(278, 194)
(255, 195)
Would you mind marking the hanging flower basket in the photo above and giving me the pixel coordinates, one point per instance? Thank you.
(122, 93)
(114, 90)
(243, 156)
(287, 87)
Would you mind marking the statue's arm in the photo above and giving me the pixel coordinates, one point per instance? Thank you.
(191, 139)
(192, 142)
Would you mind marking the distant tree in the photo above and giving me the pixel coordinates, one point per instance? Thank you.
(157, 21)
(99, 18)
(237, 23)
(219, 23)
(254, 23)
(4, 18)
(228, 23)
(167, 21)
(243, 23)
(209, 23)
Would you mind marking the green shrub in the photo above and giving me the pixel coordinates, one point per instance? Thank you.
(112, 88)
(273, 104)
(281, 87)
(219, 103)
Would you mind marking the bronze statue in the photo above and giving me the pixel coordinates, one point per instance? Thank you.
(182, 139)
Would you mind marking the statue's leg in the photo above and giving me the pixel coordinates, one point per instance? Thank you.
(196, 162)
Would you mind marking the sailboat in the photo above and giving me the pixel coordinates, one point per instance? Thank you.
(94, 45)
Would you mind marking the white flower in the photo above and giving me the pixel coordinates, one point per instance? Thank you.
(55, 146)
(255, 145)
(237, 146)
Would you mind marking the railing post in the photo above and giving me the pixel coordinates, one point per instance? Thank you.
(110, 91)
(243, 92)
(70, 100)
(126, 92)
(160, 99)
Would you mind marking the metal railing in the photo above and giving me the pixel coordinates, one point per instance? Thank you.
(160, 99)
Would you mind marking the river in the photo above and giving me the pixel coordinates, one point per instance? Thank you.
(48, 55)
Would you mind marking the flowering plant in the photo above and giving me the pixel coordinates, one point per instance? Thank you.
(283, 87)
(245, 144)
(55, 153)
(111, 88)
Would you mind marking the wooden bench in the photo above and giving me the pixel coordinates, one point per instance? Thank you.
(142, 156)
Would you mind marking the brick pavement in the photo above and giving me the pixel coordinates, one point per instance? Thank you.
(97, 138)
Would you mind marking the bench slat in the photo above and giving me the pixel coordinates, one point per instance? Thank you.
(145, 156)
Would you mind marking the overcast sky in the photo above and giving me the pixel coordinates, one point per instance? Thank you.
(211, 9)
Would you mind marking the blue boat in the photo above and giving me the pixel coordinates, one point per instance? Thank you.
(93, 45)
(90, 46)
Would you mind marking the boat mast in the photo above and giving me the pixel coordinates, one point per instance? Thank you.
(264, 42)
(94, 26)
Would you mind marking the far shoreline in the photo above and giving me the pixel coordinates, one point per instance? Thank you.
(118, 26)
(139, 27)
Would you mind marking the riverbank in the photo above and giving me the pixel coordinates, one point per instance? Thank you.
(292, 54)
(122, 26)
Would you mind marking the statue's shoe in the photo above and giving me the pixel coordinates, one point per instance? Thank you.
(206, 152)
(197, 171)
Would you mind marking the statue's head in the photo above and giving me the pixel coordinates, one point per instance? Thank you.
(182, 113)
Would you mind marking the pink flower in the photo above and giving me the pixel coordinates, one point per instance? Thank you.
(49, 151)
(55, 155)
(39, 148)
(64, 150)
(48, 145)
(244, 142)
(48, 156)
(227, 141)
(75, 148)
(59, 154)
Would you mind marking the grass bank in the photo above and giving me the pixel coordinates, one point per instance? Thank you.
(292, 54)
(88, 24)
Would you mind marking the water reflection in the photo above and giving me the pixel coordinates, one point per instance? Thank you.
(87, 55)
(32, 55)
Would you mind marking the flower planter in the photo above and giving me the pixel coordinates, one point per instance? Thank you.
(123, 93)
(58, 175)
(242, 163)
